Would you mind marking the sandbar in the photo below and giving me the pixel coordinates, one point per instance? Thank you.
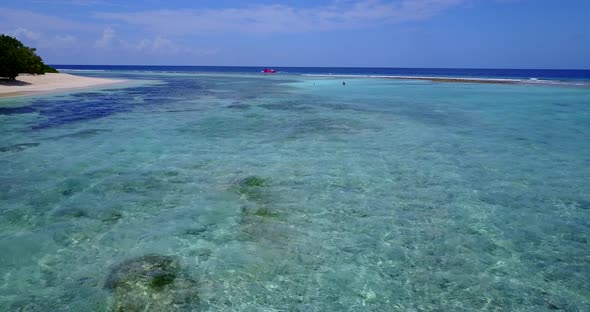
(34, 84)
(433, 79)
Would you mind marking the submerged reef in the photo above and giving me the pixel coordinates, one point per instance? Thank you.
(265, 213)
(252, 188)
(253, 181)
(260, 219)
(250, 211)
(151, 283)
(143, 269)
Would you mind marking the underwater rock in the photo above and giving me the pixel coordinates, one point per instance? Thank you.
(251, 187)
(70, 187)
(263, 224)
(181, 296)
(261, 212)
(195, 231)
(17, 147)
(151, 283)
(111, 216)
(252, 181)
(260, 218)
(265, 213)
(149, 270)
(257, 216)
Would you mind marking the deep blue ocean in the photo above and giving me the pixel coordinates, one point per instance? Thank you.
(225, 189)
(442, 72)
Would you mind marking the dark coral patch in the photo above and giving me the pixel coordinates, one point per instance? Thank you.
(152, 270)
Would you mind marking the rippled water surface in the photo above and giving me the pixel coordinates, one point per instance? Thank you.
(243, 192)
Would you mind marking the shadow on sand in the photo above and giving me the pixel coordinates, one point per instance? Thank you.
(8, 82)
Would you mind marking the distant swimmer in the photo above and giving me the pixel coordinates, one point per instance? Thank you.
(343, 83)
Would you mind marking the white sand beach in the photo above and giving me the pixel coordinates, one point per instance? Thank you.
(33, 84)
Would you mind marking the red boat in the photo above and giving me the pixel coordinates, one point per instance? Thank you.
(269, 71)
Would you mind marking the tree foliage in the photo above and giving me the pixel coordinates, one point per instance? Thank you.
(16, 58)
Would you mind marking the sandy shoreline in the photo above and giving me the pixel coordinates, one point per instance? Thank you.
(29, 84)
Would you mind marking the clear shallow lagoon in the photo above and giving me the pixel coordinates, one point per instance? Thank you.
(380, 195)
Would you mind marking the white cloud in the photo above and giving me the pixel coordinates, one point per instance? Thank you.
(106, 39)
(64, 40)
(24, 34)
(158, 33)
(74, 2)
(41, 40)
(282, 18)
(12, 18)
(163, 46)
(159, 45)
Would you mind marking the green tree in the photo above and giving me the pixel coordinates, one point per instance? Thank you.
(16, 58)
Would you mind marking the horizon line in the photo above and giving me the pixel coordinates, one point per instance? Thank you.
(375, 67)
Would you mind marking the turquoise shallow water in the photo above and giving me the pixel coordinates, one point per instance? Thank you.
(381, 195)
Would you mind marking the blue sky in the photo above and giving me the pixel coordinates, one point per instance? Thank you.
(370, 33)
